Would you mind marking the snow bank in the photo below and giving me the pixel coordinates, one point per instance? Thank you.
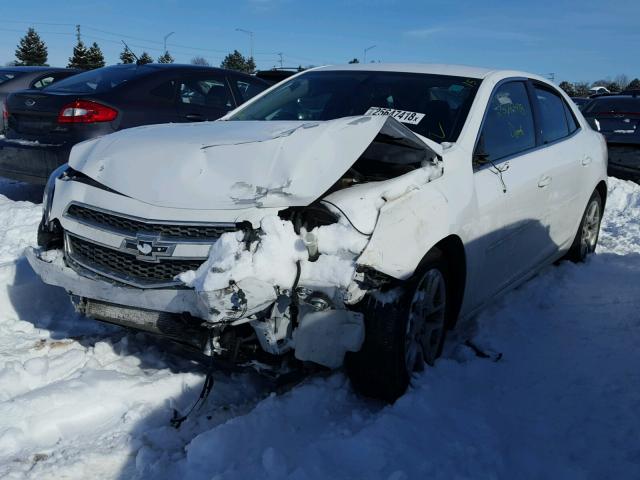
(81, 400)
(620, 231)
(18, 227)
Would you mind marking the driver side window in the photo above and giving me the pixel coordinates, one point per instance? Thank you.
(508, 125)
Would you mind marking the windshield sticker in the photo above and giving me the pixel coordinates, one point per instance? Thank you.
(402, 116)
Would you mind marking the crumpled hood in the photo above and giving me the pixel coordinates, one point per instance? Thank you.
(228, 164)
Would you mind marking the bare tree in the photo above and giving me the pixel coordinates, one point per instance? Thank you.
(581, 88)
(568, 88)
(622, 80)
(199, 61)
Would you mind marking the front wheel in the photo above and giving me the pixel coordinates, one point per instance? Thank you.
(586, 238)
(401, 335)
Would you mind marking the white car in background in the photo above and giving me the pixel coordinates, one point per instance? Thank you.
(600, 90)
(347, 215)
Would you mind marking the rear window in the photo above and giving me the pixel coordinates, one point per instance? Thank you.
(435, 106)
(6, 76)
(99, 80)
(613, 105)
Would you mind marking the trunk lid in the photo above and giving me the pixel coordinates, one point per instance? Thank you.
(33, 115)
(618, 122)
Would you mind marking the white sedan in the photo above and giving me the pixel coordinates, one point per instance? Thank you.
(349, 215)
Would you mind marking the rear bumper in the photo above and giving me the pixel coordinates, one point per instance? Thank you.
(30, 162)
(624, 161)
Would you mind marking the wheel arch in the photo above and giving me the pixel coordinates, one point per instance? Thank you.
(601, 188)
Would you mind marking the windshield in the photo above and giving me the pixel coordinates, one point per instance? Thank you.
(435, 106)
(97, 81)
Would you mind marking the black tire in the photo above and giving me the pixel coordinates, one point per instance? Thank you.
(380, 368)
(580, 250)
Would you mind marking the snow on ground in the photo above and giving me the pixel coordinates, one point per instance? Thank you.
(83, 400)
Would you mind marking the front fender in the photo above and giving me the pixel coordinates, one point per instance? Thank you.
(407, 228)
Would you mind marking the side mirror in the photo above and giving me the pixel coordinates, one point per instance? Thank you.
(480, 158)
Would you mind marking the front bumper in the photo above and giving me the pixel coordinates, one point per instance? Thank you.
(215, 306)
(30, 162)
(322, 337)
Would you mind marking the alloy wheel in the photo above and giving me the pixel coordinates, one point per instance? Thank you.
(590, 228)
(426, 323)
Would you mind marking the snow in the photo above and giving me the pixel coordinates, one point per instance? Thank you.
(272, 258)
(83, 400)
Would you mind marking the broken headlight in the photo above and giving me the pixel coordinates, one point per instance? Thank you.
(50, 232)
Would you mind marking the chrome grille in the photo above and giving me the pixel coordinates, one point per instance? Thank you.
(128, 225)
(124, 266)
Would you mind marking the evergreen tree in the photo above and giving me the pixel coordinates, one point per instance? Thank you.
(145, 58)
(31, 50)
(634, 84)
(568, 88)
(199, 61)
(127, 56)
(95, 58)
(165, 58)
(236, 61)
(80, 58)
(250, 65)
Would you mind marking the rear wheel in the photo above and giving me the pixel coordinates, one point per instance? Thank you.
(586, 238)
(401, 335)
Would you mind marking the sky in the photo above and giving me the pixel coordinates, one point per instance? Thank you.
(573, 40)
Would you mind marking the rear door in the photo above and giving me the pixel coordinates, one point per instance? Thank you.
(565, 161)
(205, 96)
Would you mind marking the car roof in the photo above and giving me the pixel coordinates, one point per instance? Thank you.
(30, 69)
(432, 68)
(151, 67)
(168, 66)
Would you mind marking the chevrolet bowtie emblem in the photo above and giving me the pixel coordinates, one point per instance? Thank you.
(148, 247)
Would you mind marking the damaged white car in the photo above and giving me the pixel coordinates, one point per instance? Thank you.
(348, 215)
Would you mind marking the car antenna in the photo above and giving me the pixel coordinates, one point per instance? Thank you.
(131, 52)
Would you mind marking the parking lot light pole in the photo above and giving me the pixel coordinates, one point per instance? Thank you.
(364, 59)
(165, 41)
(250, 33)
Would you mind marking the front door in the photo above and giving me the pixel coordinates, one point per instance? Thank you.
(511, 228)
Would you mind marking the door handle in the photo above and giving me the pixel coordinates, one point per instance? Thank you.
(544, 181)
(194, 117)
(586, 160)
